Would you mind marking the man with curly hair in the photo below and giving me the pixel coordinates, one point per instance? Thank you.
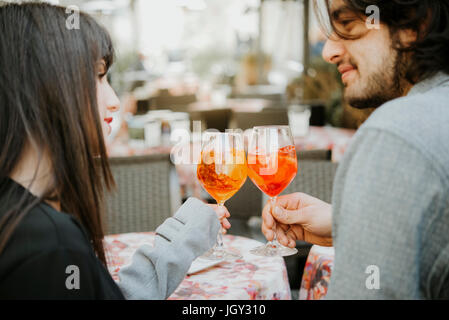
(389, 218)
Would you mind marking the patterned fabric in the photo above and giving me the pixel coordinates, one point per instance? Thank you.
(317, 273)
(251, 278)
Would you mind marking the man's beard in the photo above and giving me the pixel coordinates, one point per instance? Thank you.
(386, 84)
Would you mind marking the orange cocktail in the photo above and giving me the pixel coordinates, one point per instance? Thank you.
(222, 171)
(222, 177)
(273, 172)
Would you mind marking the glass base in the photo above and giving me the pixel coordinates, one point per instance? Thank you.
(273, 249)
(214, 255)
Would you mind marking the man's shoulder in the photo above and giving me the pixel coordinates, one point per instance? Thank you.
(420, 120)
(414, 112)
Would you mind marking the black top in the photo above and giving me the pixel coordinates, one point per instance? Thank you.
(48, 255)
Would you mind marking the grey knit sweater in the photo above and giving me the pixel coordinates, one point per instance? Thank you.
(155, 272)
(391, 201)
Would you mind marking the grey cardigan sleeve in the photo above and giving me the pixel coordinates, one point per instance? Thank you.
(390, 213)
(155, 272)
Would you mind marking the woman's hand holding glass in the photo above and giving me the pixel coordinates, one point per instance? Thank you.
(222, 215)
(298, 216)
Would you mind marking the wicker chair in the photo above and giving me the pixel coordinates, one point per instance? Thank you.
(142, 200)
(246, 202)
(315, 174)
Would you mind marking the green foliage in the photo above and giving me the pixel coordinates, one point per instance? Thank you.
(321, 83)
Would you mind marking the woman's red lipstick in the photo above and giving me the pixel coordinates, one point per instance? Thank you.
(108, 120)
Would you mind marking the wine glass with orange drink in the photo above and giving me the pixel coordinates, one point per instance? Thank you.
(222, 171)
(272, 165)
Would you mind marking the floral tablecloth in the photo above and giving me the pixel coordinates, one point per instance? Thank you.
(317, 273)
(252, 277)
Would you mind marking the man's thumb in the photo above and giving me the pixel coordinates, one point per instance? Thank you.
(286, 216)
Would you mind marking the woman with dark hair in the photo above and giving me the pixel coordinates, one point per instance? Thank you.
(55, 106)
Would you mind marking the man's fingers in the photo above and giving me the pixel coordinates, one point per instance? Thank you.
(267, 217)
(267, 232)
(291, 236)
(287, 238)
(281, 237)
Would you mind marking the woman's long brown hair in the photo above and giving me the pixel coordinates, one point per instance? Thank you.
(48, 101)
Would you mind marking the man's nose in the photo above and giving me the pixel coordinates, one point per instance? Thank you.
(333, 51)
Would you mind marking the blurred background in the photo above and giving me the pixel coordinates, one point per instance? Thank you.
(227, 63)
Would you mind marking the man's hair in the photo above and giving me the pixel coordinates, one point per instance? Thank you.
(428, 18)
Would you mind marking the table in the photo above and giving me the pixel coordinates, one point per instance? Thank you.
(253, 277)
(317, 273)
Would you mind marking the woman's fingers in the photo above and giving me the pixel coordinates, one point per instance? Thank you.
(225, 223)
(221, 211)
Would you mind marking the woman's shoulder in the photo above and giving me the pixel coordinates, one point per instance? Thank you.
(45, 231)
(50, 228)
(48, 254)
(42, 227)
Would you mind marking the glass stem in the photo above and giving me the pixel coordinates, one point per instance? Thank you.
(274, 242)
(219, 245)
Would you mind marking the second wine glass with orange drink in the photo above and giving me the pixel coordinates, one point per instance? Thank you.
(272, 165)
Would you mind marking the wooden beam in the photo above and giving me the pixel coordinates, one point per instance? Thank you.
(306, 45)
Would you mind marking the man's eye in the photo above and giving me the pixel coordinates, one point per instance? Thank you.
(346, 22)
